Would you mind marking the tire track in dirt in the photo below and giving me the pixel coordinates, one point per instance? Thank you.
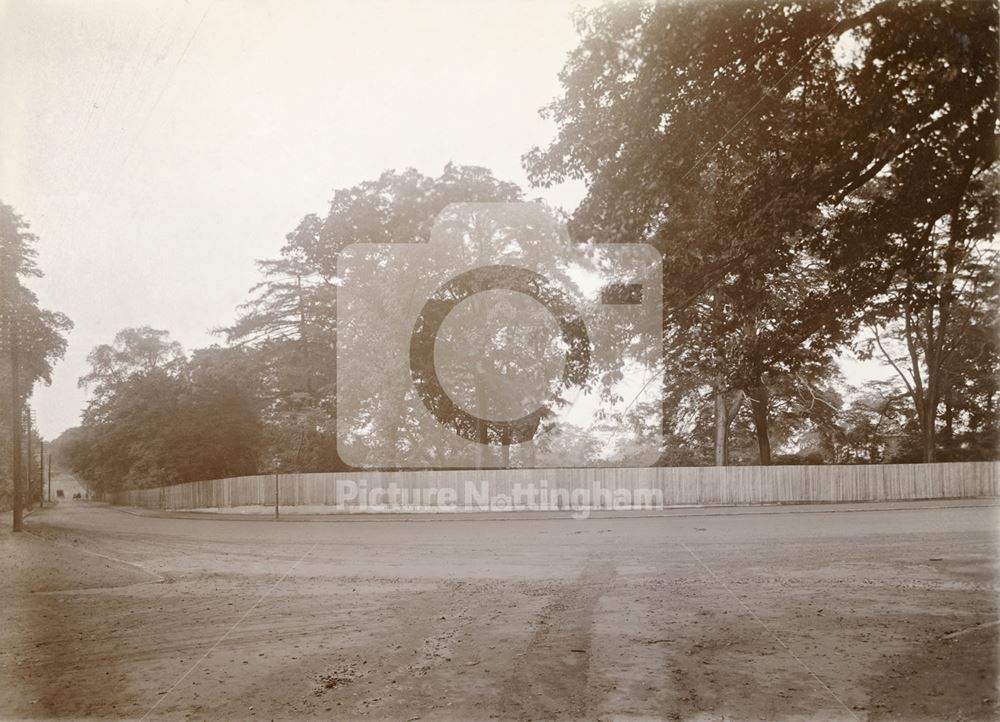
(551, 678)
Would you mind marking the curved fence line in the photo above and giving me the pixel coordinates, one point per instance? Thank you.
(519, 489)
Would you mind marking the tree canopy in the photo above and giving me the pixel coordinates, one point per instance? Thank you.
(32, 339)
(769, 148)
(817, 178)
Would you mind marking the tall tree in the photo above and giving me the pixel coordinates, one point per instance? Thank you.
(292, 305)
(31, 338)
(288, 323)
(928, 226)
(135, 353)
(945, 344)
(292, 318)
(731, 134)
(158, 418)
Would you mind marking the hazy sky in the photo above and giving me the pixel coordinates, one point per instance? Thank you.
(158, 148)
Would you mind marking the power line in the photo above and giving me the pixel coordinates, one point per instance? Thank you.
(163, 89)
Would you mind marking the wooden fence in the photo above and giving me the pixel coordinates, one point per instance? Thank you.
(517, 489)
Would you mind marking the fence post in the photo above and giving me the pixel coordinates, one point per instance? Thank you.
(275, 495)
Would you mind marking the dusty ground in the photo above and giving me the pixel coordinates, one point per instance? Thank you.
(803, 613)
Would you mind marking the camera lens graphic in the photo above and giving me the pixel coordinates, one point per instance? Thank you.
(492, 278)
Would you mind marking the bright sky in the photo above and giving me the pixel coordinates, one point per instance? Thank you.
(158, 147)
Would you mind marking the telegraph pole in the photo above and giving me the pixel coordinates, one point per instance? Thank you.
(9, 297)
(41, 474)
(27, 471)
(50, 477)
(15, 426)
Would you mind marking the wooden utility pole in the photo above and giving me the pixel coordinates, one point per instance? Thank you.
(27, 471)
(41, 474)
(9, 297)
(15, 428)
(50, 477)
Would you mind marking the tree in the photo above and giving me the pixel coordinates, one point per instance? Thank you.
(971, 397)
(158, 418)
(289, 324)
(392, 212)
(31, 338)
(222, 410)
(292, 304)
(292, 320)
(936, 221)
(873, 426)
(705, 129)
(803, 407)
(945, 345)
(135, 353)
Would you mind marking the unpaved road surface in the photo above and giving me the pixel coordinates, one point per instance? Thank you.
(804, 613)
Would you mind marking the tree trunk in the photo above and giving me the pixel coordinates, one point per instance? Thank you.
(929, 435)
(483, 452)
(338, 461)
(725, 412)
(721, 430)
(948, 432)
(307, 375)
(929, 430)
(758, 404)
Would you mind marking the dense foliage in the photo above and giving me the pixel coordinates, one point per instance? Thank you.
(158, 417)
(32, 339)
(819, 178)
(806, 170)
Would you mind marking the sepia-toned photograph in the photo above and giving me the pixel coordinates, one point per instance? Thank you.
(513, 360)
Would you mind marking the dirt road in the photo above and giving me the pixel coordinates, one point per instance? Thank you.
(798, 614)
